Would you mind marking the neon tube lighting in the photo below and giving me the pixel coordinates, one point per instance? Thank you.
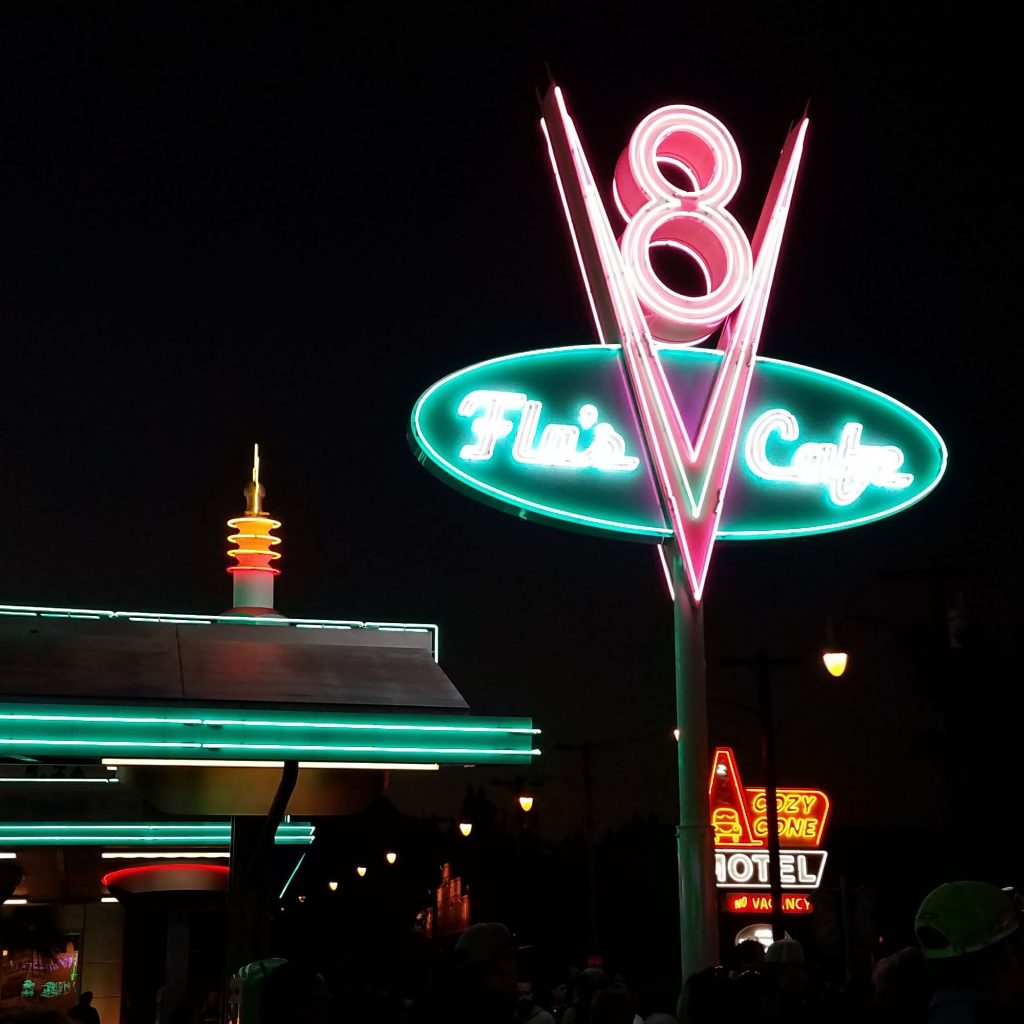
(646, 531)
(269, 723)
(195, 734)
(458, 473)
(450, 752)
(186, 618)
(666, 569)
(291, 877)
(140, 834)
(162, 855)
(705, 147)
(147, 828)
(117, 877)
(163, 762)
(62, 782)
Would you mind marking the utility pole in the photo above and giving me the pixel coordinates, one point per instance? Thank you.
(765, 667)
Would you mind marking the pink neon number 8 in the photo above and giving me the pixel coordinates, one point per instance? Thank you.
(659, 213)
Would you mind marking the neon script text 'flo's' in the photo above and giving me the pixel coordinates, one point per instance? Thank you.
(558, 446)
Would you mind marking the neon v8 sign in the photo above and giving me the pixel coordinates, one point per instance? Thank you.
(643, 435)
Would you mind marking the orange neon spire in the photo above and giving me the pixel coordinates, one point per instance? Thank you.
(254, 541)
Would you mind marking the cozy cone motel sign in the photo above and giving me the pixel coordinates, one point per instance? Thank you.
(740, 820)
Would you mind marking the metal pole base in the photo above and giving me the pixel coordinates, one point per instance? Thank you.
(698, 913)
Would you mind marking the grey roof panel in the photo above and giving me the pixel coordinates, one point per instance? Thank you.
(113, 659)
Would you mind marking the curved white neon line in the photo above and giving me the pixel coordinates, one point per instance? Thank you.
(572, 233)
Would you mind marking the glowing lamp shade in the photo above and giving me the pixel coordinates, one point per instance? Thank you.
(526, 802)
(391, 856)
(333, 886)
(835, 662)
(465, 827)
(170, 879)
(361, 871)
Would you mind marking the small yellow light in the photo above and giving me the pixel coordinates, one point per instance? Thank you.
(835, 662)
(465, 827)
(526, 802)
(675, 732)
(361, 871)
(391, 856)
(333, 886)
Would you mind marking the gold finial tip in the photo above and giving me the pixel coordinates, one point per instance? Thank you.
(254, 491)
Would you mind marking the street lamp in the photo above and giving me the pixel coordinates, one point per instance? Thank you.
(524, 791)
(834, 659)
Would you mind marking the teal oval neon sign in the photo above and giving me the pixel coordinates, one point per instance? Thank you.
(553, 436)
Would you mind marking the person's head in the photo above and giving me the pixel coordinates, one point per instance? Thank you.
(559, 994)
(971, 937)
(294, 990)
(524, 991)
(485, 954)
(748, 955)
(784, 951)
(612, 1006)
(85, 998)
(899, 979)
(784, 960)
(707, 996)
(592, 979)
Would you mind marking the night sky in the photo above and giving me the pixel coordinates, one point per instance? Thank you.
(229, 225)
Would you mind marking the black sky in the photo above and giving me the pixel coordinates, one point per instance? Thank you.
(236, 223)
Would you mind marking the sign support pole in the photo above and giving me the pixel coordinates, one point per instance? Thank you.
(698, 913)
